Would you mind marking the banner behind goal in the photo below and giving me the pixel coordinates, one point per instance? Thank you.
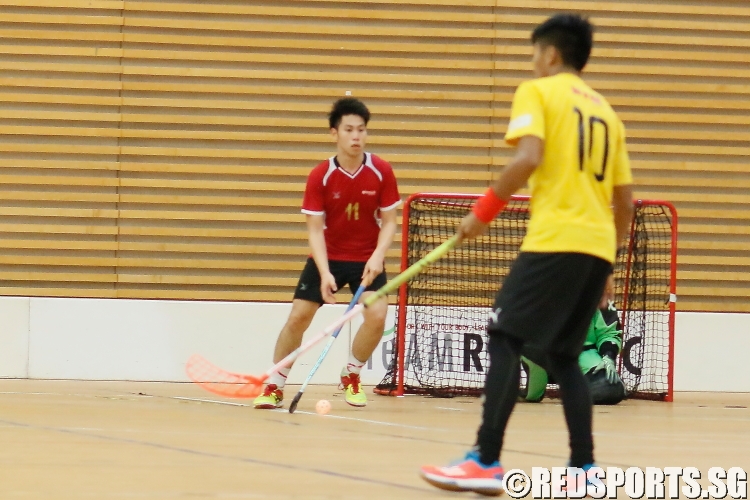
(442, 313)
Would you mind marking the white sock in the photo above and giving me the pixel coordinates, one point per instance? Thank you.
(279, 378)
(353, 365)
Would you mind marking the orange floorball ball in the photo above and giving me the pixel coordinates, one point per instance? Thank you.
(322, 407)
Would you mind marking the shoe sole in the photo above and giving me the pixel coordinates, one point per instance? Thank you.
(268, 406)
(345, 388)
(475, 485)
(442, 483)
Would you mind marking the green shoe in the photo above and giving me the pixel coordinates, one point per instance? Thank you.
(353, 390)
(271, 398)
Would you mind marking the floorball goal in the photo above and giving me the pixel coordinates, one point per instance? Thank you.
(441, 319)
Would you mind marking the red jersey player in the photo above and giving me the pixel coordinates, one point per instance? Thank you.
(350, 203)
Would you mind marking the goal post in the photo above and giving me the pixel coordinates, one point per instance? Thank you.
(441, 316)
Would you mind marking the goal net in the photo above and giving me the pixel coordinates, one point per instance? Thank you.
(442, 314)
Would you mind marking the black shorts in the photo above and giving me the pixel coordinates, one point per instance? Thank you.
(548, 299)
(345, 273)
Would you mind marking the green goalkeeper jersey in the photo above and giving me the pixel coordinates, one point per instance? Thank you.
(599, 333)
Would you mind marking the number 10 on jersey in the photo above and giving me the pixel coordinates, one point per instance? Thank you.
(593, 144)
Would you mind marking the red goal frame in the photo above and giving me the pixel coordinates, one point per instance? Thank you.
(402, 294)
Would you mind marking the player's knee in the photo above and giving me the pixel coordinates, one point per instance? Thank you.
(376, 313)
(300, 318)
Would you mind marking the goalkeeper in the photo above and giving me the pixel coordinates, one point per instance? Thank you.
(597, 361)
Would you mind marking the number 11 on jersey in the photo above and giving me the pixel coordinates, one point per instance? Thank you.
(352, 211)
(598, 140)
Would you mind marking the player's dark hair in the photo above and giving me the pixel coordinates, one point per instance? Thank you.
(347, 106)
(571, 34)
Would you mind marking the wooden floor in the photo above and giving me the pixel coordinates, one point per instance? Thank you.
(102, 440)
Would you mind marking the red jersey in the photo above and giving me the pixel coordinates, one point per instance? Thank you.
(351, 204)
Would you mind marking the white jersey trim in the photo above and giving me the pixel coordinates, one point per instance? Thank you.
(333, 165)
(312, 212)
(370, 164)
(391, 207)
(331, 169)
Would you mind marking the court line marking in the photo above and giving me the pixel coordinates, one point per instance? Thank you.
(523, 452)
(283, 410)
(341, 417)
(365, 420)
(206, 454)
(691, 418)
(446, 408)
(229, 403)
(38, 393)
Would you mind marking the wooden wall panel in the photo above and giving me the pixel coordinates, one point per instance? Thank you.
(677, 74)
(59, 146)
(154, 149)
(224, 115)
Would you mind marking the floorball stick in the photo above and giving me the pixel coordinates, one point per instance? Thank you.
(237, 385)
(323, 354)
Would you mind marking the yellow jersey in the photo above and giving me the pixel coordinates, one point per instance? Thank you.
(584, 158)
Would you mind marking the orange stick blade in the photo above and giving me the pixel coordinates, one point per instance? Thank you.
(222, 382)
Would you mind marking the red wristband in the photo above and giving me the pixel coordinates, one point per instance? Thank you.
(488, 206)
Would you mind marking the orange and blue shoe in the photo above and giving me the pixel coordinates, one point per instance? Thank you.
(468, 474)
(353, 393)
(270, 398)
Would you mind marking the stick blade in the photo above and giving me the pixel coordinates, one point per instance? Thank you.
(222, 382)
(296, 399)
